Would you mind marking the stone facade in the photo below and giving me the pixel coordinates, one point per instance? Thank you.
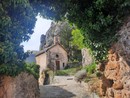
(42, 61)
(116, 72)
(54, 57)
(22, 86)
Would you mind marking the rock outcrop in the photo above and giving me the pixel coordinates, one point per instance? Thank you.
(117, 70)
(86, 57)
(42, 41)
(55, 29)
(22, 86)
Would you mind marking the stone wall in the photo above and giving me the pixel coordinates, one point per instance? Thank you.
(62, 56)
(22, 86)
(116, 72)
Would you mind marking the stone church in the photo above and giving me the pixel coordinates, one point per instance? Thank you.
(54, 56)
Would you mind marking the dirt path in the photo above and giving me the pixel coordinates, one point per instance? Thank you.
(65, 87)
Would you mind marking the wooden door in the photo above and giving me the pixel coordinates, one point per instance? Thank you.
(57, 65)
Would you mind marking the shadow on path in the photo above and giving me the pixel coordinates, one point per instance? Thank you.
(48, 91)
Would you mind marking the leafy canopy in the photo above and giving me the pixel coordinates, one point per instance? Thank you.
(67, 38)
(17, 20)
(77, 39)
(98, 19)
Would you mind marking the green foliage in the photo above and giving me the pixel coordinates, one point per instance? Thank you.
(66, 38)
(66, 34)
(91, 68)
(77, 39)
(17, 19)
(98, 19)
(10, 70)
(61, 73)
(33, 69)
(15, 70)
(66, 72)
(76, 44)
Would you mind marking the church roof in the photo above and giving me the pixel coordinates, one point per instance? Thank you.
(48, 48)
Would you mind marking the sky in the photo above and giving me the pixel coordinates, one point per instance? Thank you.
(41, 27)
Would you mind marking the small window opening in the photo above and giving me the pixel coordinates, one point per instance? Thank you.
(63, 64)
(57, 55)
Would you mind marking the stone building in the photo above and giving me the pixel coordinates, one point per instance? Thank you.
(54, 56)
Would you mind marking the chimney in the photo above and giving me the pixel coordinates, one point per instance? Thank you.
(56, 39)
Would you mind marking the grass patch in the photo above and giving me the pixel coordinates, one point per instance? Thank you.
(90, 68)
(67, 72)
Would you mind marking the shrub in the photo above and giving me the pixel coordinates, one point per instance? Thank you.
(91, 68)
(10, 70)
(32, 68)
(61, 73)
(69, 71)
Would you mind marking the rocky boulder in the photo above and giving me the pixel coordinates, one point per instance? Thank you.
(22, 86)
(117, 69)
(86, 57)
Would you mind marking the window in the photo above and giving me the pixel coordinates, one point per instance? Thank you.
(63, 64)
(57, 55)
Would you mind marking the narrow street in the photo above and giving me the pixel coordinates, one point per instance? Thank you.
(65, 87)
